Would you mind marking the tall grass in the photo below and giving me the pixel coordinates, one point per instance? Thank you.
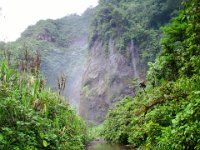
(32, 117)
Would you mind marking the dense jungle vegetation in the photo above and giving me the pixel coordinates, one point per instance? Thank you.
(138, 21)
(33, 117)
(165, 114)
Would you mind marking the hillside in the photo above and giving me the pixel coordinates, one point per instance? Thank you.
(63, 46)
(100, 52)
(124, 39)
(165, 113)
(130, 66)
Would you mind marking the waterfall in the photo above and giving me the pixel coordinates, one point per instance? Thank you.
(69, 62)
(134, 56)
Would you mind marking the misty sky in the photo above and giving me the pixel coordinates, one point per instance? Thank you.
(16, 15)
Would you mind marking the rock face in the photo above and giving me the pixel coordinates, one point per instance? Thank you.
(95, 78)
(105, 80)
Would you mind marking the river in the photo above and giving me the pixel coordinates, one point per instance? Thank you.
(106, 146)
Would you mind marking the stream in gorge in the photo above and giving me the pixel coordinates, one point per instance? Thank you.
(102, 145)
(106, 146)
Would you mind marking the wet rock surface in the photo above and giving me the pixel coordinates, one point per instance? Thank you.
(105, 80)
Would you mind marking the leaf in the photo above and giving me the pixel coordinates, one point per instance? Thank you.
(1, 137)
(45, 144)
(197, 92)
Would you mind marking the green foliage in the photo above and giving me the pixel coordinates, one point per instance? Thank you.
(60, 33)
(47, 35)
(32, 117)
(166, 115)
(180, 55)
(131, 20)
(95, 132)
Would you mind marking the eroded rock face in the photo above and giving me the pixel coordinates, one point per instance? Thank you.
(105, 80)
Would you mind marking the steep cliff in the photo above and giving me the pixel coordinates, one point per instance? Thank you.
(106, 79)
(99, 52)
(124, 38)
(166, 115)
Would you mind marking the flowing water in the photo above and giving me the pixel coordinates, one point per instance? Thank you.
(106, 146)
(134, 59)
(70, 62)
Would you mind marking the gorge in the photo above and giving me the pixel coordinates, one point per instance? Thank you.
(100, 52)
(123, 75)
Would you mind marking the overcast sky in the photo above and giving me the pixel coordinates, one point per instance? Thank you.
(17, 15)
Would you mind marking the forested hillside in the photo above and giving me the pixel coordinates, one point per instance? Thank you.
(165, 114)
(32, 116)
(132, 20)
(124, 38)
(132, 66)
(63, 46)
(99, 52)
(60, 33)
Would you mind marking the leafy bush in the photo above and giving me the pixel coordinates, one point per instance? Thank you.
(126, 21)
(32, 117)
(165, 115)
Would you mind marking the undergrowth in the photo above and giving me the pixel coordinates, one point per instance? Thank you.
(32, 117)
(166, 115)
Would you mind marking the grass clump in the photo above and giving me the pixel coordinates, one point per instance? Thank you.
(32, 117)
